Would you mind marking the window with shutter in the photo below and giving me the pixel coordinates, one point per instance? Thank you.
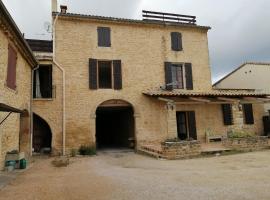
(248, 113)
(104, 36)
(189, 77)
(117, 74)
(176, 41)
(168, 76)
(227, 114)
(11, 68)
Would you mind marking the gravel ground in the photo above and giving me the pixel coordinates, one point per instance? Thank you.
(118, 175)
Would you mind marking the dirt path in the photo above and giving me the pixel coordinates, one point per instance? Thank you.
(118, 175)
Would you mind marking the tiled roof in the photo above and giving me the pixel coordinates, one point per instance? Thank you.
(212, 93)
(134, 21)
(41, 45)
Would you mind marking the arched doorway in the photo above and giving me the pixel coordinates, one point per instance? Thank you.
(115, 125)
(42, 135)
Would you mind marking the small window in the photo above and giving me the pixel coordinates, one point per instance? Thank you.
(177, 76)
(43, 82)
(105, 74)
(104, 37)
(11, 68)
(176, 41)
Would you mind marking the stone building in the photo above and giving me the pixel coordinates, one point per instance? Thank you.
(16, 63)
(129, 83)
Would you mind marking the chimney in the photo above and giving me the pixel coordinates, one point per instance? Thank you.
(54, 5)
(63, 9)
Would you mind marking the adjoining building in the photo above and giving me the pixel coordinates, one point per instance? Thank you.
(16, 64)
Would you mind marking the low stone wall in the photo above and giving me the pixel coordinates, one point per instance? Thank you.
(181, 149)
(246, 144)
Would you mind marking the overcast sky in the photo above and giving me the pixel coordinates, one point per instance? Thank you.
(240, 28)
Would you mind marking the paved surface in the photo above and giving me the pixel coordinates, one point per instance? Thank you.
(127, 176)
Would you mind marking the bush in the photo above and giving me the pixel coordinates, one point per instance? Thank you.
(240, 134)
(73, 152)
(87, 150)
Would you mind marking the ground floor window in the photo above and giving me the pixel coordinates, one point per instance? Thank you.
(186, 125)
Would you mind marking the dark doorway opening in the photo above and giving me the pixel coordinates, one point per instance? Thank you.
(186, 125)
(42, 135)
(43, 82)
(115, 127)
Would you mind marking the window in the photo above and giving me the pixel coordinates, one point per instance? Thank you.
(227, 114)
(104, 74)
(43, 82)
(11, 68)
(177, 76)
(104, 37)
(176, 41)
(248, 113)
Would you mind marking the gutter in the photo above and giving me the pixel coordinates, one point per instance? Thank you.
(64, 89)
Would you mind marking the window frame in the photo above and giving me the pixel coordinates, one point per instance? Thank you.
(176, 65)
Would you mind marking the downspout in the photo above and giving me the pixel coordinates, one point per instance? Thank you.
(64, 88)
(31, 109)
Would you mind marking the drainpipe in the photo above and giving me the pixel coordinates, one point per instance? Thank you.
(31, 109)
(64, 88)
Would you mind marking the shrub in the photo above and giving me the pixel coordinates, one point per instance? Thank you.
(240, 134)
(73, 152)
(87, 150)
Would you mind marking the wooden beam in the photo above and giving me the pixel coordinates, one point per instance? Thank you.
(228, 99)
(199, 99)
(166, 100)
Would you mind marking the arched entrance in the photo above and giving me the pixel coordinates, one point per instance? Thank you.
(115, 125)
(42, 135)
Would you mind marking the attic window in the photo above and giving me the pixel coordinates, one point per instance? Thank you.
(104, 36)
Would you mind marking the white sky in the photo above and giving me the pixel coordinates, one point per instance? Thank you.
(240, 28)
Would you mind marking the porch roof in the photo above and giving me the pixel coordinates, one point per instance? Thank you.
(7, 108)
(213, 96)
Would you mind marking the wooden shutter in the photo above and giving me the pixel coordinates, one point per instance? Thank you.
(176, 41)
(168, 76)
(189, 78)
(248, 113)
(104, 36)
(117, 74)
(92, 74)
(192, 125)
(11, 70)
(227, 114)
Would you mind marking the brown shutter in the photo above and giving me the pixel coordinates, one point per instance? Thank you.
(117, 74)
(248, 113)
(176, 41)
(11, 71)
(192, 125)
(189, 78)
(227, 114)
(92, 74)
(168, 76)
(104, 36)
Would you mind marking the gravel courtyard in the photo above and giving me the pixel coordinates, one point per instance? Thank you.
(127, 176)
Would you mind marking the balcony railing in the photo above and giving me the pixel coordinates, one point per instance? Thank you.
(168, 17)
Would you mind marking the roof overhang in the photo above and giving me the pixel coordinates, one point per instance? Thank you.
(211, 97)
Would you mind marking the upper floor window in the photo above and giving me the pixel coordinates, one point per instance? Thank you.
(105, 74)
(43, 82)
(178, 76)
(176, 41)
(104, 36)
(11, 68)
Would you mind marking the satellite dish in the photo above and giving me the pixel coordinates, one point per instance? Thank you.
(48, 27)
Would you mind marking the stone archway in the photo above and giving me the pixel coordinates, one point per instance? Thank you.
(42, 135)
(115, 125)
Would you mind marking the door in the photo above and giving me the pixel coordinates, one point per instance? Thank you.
(182, 130)
(186, 125)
